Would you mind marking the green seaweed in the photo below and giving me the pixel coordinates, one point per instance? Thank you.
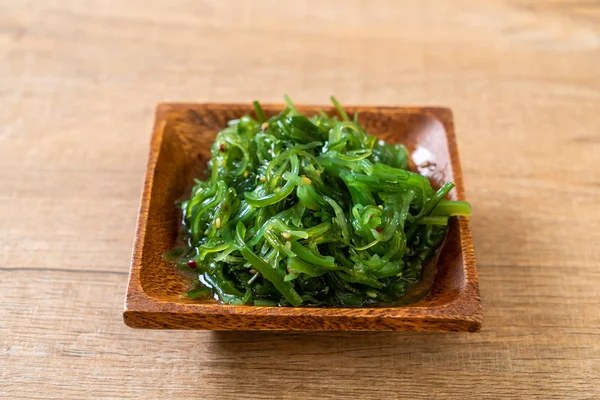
(309, 211)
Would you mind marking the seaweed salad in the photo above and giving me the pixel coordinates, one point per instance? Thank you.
(309, 211)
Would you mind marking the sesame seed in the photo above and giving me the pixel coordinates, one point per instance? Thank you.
(252, 271)
(246, 173)
(306, 180)
(263, 179)
(380, 207)
(371, 294)
(286, 235)
(218, 223)
(264, 126)
(270, 151)
(428, 164)
(318, 172)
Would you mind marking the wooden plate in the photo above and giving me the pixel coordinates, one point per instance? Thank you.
(180, 147)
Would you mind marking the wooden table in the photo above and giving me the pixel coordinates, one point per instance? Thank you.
(78, 84)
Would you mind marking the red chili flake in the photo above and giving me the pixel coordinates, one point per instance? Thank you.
(222, 147)
(192, 264)
(379, 229)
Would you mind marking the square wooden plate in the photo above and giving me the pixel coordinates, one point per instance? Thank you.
(179, 150)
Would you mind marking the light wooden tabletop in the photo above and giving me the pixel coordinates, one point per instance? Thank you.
(78, 84)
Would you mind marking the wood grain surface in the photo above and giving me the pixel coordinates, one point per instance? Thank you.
(79, 81)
